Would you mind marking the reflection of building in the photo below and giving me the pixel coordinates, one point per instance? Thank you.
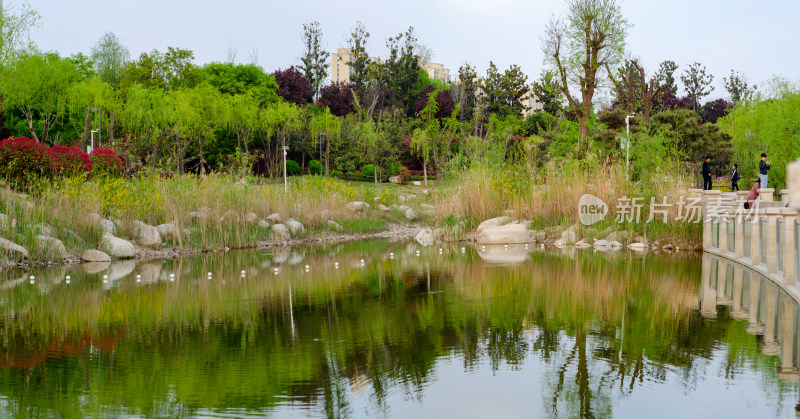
(436, 71)
(340, 67)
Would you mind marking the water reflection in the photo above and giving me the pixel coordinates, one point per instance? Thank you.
(398, 330)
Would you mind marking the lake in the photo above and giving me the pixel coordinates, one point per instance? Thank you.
(390, 329)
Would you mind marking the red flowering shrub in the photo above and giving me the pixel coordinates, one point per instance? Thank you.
(22, 160)
(70, 161)
(105, 162)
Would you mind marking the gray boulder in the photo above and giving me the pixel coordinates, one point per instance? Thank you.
(95, 256)
(602, 243)
(107, 226)
(54, 246)
(295, 227)
(357, 206)
(333, 225)
(251, 218)
(166, 230)
(146, 235)
(281, 232)
(264, 223)
(410, 215)
(416, 183)
(424, 237)
(13, 251)
(493, 222)
(274, 218)
(504, 234)
(570, 235)
(383, 208)
(117, 247)
(426, 207)
(398, 180)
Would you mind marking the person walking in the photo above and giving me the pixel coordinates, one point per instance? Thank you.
(707, 184)
(735, 178)
(763, 170)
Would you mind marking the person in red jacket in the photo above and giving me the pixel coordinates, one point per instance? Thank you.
(752, 195)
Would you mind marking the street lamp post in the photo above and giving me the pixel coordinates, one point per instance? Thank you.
(628, 144)
(91, 147)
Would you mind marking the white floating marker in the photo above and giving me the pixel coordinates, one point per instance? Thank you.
(33, 279)
(138, 278)
(68, 281)
(463, 250)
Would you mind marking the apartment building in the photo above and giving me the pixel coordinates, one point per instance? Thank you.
(340, 67)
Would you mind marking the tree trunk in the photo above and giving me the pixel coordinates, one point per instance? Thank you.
(155, 150)
(30, 126)
(375, 172)
(327, 154)
(425, 171)
(85, 130)
(111, 131)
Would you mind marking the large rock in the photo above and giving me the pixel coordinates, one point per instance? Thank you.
(4, 221)
(274, 218)
(426, 207)
(295, 227)
(13, 251)
(504, 234)
(95, 256)
(416, 183)
(602, 243)
(398, 180)
(515, 253)
(333, 225)
(410, 215)
(357, 206)
(107, 226)
(439, 235)
(281, 232)
(146, 235)
(638, 246)
(383, 208)
(42, 229)
(619, 236)
(493, 222)
(264, 223)
(325, 215)
(166, 230)
(251, 218)
(117, 247)
(570, 235)
(424, 237)
(54, 246)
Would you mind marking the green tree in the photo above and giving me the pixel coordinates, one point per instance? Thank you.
(547, 91)
(325, 124)
(665, 77)
(315, 57)
(360, 61)
(84, 97)
(401, 69)
(234, 79)
(279, 120)
(36, 86)
(467, 94)
(503, 92)
(170, 70)
(737, 87)
(590, 39)
(15, 29)
(149, 115)
(697, 83)
(110, 56)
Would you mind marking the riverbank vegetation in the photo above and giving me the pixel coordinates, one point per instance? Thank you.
(171, 138)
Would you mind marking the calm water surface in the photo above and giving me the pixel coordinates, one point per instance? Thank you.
(392, 333)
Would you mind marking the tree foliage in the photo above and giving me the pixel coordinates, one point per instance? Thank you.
(503, 92)
(315, 57)
(110, 56)
(697, 83)
(736, 85)
(293, 86)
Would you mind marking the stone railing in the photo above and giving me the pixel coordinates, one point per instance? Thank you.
(764, 237)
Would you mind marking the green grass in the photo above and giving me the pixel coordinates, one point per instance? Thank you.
(365, 225)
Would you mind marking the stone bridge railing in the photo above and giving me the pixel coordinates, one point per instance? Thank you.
(764, 238)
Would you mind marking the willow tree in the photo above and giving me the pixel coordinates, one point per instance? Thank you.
(243, 118)
(581, 46)
(279, 120)
(148, 113)
(328, 125)
(85, 96)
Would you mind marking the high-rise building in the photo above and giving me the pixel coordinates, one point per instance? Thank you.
(340, 67)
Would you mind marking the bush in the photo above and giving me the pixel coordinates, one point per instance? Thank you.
(23, 160)
(70, 161)
(314, 167)
(398, 169)
(293, 168)
(336, 173)
(367, 173)
(105, 162)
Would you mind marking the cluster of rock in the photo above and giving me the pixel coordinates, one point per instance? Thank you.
(506, 230)
(407, 212)
(283, 230)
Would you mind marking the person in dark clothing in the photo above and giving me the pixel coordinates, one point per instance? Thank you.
(735, 178)
(763, 170)
(707, 184)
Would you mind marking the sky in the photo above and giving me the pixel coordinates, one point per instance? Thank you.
(757, 38)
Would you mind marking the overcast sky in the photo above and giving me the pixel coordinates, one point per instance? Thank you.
(758, 38)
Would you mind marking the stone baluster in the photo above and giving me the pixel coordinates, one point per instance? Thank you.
(790, 248)
(709, 198)
(723, 232)
(771, 248)
(738, 234)
(766, 194)
(784, 195)
(755, 239)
